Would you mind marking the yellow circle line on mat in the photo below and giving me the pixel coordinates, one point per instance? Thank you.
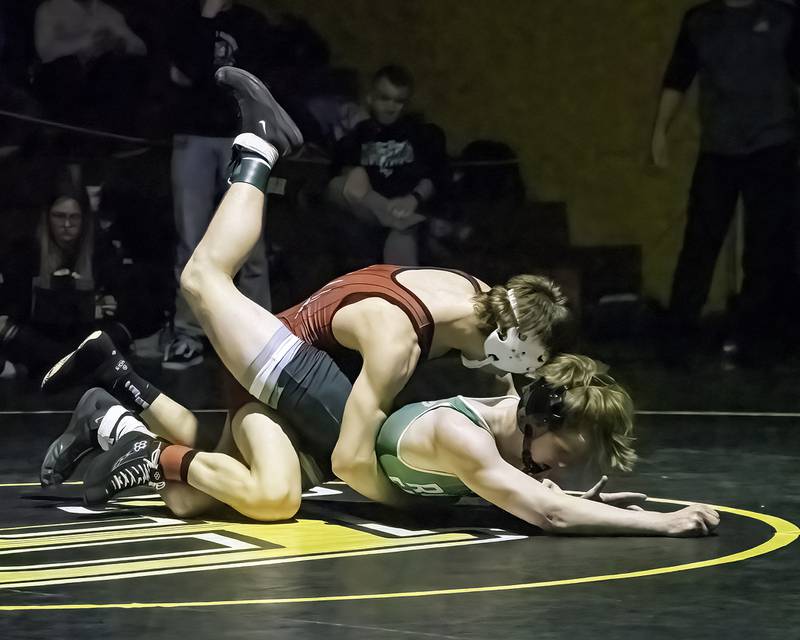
(784, 534)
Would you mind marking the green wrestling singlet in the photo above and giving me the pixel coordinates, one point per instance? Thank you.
(411, 479)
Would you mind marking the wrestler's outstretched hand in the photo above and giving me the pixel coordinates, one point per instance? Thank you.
(623, 499)
(696, 520)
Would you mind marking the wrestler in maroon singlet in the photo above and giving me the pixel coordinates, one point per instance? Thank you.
(312, 319)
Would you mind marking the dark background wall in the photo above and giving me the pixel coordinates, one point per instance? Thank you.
(573, 86)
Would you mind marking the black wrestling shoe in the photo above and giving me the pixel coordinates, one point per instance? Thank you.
(82, 363)
(78, 439)
(260, 113)
(131, 462)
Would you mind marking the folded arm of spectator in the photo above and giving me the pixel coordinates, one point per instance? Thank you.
(133, 44)
(48, 46)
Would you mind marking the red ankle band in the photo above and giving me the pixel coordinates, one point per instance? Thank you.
(175, 460)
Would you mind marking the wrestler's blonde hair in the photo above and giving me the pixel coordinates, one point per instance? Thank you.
(541, 309)
(596, 407)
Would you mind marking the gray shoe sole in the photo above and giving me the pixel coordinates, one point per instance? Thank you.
(242, 82)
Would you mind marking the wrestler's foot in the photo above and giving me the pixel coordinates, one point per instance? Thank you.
(261, 114)
(267, 130)
(78, 439)
(132, 462)
(83, 363)
(98, 362)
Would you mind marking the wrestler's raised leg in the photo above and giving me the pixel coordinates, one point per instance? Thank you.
(237, 327)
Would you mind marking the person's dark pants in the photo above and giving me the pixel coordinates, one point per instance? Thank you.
(767, 182)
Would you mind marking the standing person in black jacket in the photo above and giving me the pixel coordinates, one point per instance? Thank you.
(746, 55)
(204, 36)
(390, 166)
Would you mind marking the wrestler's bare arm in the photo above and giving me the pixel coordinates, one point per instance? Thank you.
(383, 335)
(472, 455)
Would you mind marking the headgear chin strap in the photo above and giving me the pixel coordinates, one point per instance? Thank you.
(509, 350)
(540, 408)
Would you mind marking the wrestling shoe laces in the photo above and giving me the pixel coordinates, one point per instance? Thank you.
(131, 462)
(143, 471)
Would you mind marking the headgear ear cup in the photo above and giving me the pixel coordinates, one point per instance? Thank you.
(509, 350)
(540, 405)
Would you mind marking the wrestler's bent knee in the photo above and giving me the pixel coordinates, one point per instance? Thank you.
(274, 506)
(192, 278)
(185, 504)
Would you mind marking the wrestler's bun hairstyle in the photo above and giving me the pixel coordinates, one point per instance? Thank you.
(541, 310)
(595, 406)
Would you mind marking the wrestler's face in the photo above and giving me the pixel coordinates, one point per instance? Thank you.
(65, 218)
(553, 450)
(387, 101)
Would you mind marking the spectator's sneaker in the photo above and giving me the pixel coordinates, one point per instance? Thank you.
(82, 363)
(149, 347)
(154, 345)
(78, 439)
(120, 335)
(182, 352)
(261, 114)
(131, 462)
(7, 328)
(7, 370)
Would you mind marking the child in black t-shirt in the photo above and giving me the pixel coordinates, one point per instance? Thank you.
(390, 166)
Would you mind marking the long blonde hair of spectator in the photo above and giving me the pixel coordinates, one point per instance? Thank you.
(51, 256)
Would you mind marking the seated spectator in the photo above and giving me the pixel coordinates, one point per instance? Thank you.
(56, 286)
(390, 167)
(92, 63)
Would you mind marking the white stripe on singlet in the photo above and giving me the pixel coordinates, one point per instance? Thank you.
(283, 353)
